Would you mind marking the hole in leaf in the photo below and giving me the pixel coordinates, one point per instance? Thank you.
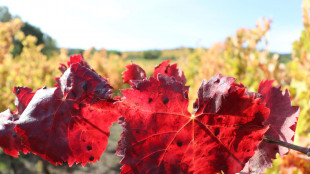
(166, 71)
(121, 119)
(150, 100)
(80, 107)
(89, 148)
(17, 90)
(73, 93)
(91, 158)
(217, 131)
(179, 143)
(97, 91)
(248, 150)
(185, 95)
(165, 100)
(258, 114)
(85, 87)
(83, 140)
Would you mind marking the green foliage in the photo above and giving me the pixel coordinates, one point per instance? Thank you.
(42, 38)
(49, 43)
(73, 51)
(169, 57)
(285, 58)
(115, 52)
(29, 29)
(133, 57)
(152, 54)
(5, 15)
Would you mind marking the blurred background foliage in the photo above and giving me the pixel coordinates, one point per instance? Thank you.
(29, 57)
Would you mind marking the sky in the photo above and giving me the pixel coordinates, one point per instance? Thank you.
(157, 24)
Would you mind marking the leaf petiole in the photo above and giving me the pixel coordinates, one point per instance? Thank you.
(303, 150)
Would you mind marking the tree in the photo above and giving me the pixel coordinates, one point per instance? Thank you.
(5, 15)
(28, 29)
(42, 38)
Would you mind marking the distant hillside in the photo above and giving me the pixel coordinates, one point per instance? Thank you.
(166, 54)
(284, 58)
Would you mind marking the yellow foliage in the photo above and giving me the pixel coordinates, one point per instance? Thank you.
(33, 69)
(110, 67)
(299, 71)
(237, 57)
(8, 30)
(244, 55)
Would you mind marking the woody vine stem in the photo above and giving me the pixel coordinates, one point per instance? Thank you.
(271, 140)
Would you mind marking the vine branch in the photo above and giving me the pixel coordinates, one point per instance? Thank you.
(303, 150)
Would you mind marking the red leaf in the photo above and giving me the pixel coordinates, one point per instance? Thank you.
(170, 70)
(133, 72)
(10, 142)
(78, 59)
(23, 97)
(161, 136)
(73, 59)
(282, 120)
(69, 122)
(62, 67)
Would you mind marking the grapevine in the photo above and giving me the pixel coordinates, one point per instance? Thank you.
(231, 130)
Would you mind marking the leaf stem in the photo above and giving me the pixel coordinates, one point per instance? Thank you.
(303, 150)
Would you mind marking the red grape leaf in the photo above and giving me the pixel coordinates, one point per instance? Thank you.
(69, 122)
(282, 120)
(62, 67)
(170, 70)
(10, 142)
(161, 136)
(23, 97)
(133, 72)
(78, 59)
(73, 59)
